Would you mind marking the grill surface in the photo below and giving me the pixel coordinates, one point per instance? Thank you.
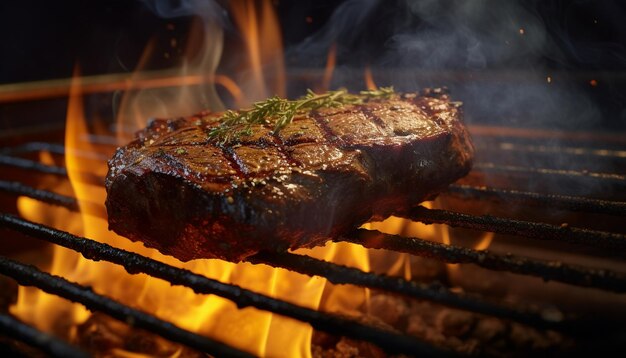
(604, 245)
(543, 85)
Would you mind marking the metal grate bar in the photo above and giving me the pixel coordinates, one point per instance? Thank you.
(552, 150)
(30, 147)
(31, 276)
(491, 167)
(338, 274)
(38, 194)
(547, 270)
(541, 135)
(573, 203)
(53, 198)
(616, 243)
(484, 223)
(556, 201)
(18, 330)
(31, 165)
(55, 148)
(135, 263)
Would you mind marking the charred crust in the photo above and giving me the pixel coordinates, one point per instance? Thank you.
(273, 191)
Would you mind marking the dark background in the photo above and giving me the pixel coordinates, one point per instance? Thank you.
(580, 45)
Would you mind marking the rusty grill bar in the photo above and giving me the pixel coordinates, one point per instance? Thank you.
(605, 279)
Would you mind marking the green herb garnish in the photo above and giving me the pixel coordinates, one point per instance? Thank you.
(279, 112)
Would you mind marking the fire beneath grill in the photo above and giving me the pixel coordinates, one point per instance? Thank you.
(474, 311)
(445, 316)
(518, 257)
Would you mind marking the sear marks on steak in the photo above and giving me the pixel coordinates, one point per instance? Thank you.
(322, 175)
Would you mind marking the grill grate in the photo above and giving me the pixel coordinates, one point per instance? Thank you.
(31, 276)
(373, 239)
(535, 230)
(563, 202)
(135, 263)
(612, 244)
(547, 270)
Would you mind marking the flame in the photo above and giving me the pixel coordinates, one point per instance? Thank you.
(258, 23)
(484, 242)
(453, 269)
(34, 305)
(190, 90)
(187, 97)
(330, 68)
(258, 332)
(399, 264)
(369, 79)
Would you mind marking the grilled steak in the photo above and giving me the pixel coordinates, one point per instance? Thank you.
(325, 173)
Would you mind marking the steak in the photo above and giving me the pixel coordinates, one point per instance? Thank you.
(327, 172)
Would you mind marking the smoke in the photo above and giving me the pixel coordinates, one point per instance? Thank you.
(467, 34)
(512, 63)
(345, 27)
(200, 59)
(209, 10)
(430, 33)
(475, 47)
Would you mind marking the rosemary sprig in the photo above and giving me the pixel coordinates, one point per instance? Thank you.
(280, 112)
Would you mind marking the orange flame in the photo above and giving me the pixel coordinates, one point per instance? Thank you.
(401, 266)
(191, 89)
(369, 79)
(454, 270)
(264, 48)
(36, 306)
(330, 68)
(258, 332)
